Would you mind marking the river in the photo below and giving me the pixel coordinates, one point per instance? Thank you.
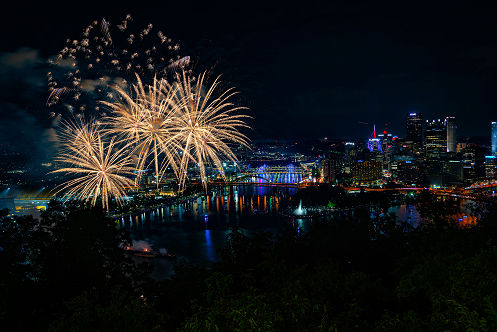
(194, 230)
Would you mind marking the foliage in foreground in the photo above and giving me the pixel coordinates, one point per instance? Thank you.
(354, 274)
(48, 261)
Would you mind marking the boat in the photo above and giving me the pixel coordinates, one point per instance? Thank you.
(148, 253)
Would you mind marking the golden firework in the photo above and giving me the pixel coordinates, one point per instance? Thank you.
(100, 171)
(147, 122)
(206, 125)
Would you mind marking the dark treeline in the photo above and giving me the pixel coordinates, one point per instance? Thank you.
(326, 193)
(68, 272)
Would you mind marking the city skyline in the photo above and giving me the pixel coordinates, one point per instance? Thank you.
(321, 71)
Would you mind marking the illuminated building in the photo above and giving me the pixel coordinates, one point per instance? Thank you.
(375, 143)
(365, 171)
(490, 167)
(414, 127)
(473, 158)
(349, 154)
(461, 146)
(329, 170)
(436, 138)
(494, 138)
(386, 141)
(451, 134)
(406, 171)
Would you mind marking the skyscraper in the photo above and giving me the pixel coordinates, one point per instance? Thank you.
(494, 137)
(374, 143)
(414, 132)
(329, 169)
(414, 127)
(436, 138)
(451, 134)
(490, 167)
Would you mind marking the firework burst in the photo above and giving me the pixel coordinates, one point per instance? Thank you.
(148, 123)
(206, 125)
(86, 69)
(78, 134)
(155, 109)
(100, 169)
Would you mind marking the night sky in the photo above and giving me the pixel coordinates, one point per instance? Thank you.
(308, 70)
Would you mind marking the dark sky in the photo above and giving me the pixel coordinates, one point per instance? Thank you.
(307, 70)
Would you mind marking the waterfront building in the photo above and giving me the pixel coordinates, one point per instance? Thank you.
(436, 139)
(494, 138)
(451, 134)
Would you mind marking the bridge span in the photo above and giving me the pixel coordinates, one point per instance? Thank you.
(273, 175)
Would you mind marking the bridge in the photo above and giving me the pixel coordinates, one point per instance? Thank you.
(465, 193)
(273, 175)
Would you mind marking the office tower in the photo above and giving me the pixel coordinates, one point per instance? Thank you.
(455, 168)
(329, 170)
(366, 171)
(436, 138)
(490, 167)
(414, 132)
(386, 141)
(494, 137)
(374, 143)
(349, 153)
(414, 127)
(451, 134)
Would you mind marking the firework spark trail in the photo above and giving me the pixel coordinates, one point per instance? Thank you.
(100, 172)
(206, 125)
(147, 122)
(86, 69)
(78, 134)
(174, 124)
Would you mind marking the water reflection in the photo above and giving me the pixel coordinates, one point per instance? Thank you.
(409, 213)
(209, 248)
(194, 229)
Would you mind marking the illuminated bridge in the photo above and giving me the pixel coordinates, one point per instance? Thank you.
(271, 175)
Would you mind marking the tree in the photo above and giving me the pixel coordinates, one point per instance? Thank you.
(122, 313)
(437, 211)
(69, 250)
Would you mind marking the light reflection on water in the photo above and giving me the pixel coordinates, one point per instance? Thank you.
(407, 212)
(195, 229)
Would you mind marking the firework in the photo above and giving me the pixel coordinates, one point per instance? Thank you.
(99, 169)
(206, 125)
(79, 134)
(156, 109)
(145, 119)
(86, 69)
